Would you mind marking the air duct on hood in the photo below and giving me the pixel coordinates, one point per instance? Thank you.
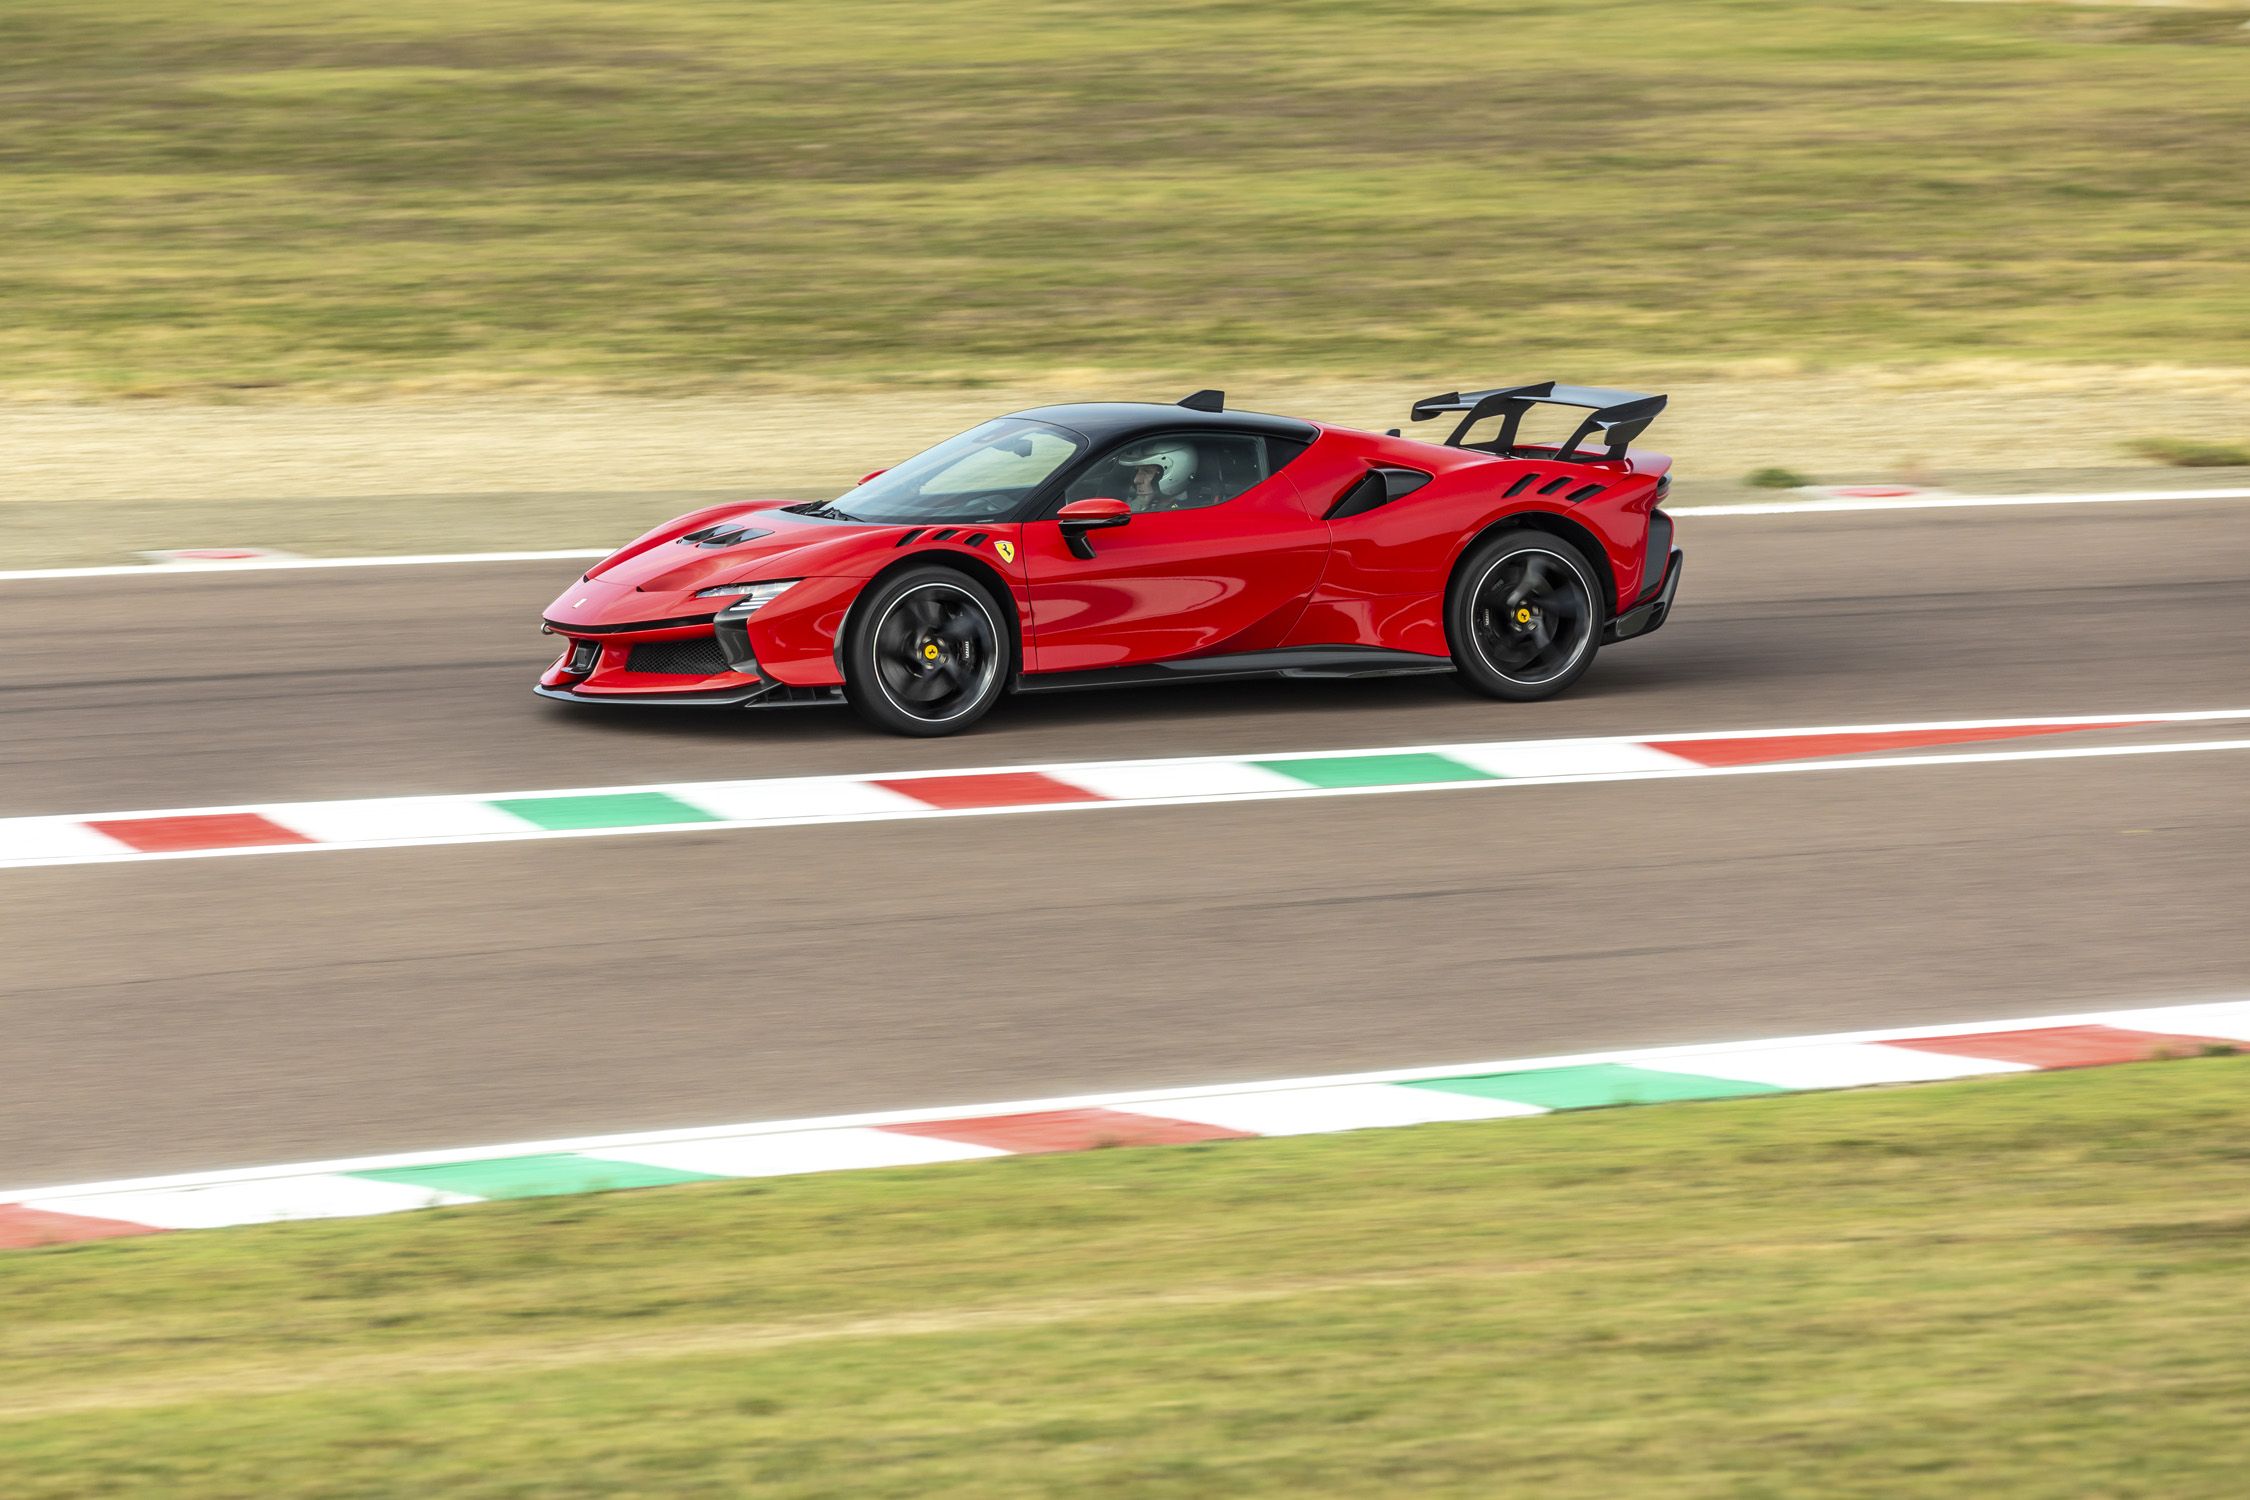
(725, 534)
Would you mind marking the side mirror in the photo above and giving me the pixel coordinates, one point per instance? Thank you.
(1082, 516)
(872, 474)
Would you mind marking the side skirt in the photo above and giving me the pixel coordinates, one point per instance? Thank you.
(1297, 661)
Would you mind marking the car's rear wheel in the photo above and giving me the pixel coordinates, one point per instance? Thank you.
(928, 653)
(1524, 616)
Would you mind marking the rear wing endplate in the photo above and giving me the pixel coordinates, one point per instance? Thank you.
(1619, 416)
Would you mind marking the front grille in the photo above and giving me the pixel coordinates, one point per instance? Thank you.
(698, 656)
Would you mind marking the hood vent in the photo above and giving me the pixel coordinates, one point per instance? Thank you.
(725, 534)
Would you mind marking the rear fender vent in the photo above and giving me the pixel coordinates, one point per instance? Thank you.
(1553, 485)
(907, 536)
(1585, 492)
(697, 656)
(1520, 486)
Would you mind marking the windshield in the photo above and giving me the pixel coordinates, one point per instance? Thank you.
(985, 474)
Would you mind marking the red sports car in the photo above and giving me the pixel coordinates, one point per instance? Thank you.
(1088, 545)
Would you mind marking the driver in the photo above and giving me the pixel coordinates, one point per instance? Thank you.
(1161, 471)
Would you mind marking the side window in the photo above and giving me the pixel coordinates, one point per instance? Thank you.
(1186, 471)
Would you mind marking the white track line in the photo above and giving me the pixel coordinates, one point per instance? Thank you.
(2176, 1014)
(294, 564)
(578, 554)
(531, 834)
(2125, 719)
(1955, 502)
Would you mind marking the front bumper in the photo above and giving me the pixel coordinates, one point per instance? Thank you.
(625, 645)
(679, 663)
(763, 695)
(1645, 617)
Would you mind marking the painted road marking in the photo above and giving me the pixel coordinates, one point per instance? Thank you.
(499, 817)
(210, 567)
(1517, 1088)
(1042, 1130)
(1954, 502)
(316, 1195)
(292, 564)
(852, 1148)
(1837, 1065)
(219, 556)
(1599, 1086)
(2062, 1046)
(1768, 745)
(1341, 1106)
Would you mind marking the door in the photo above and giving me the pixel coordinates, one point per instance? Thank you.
(1218, 557)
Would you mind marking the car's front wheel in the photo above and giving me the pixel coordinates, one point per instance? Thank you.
(927, 653)
(1524, 616)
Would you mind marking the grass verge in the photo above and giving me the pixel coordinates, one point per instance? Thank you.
(310, 194)
(2035, 1286)
(2184, 453)
(96, 483)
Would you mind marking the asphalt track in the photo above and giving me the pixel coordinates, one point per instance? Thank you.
(202, 1014)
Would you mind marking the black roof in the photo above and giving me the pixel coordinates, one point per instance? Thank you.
(1107, 421)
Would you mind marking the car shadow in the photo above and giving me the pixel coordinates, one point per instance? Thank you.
(1154, 706)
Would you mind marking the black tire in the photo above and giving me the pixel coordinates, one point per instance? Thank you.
(1524, 616)
(927, 652)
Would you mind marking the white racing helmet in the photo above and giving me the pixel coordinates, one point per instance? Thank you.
(1175, 459)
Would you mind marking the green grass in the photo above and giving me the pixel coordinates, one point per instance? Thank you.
(2024, 1287)
(1775, 479)
(2183, 453)
(331, 194)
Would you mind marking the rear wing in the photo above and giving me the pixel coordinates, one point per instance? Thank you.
(1619, 416)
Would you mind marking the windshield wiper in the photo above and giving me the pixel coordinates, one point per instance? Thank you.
(825, 509)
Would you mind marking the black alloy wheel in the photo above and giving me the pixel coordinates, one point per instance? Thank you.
(928, 653)
(1525, 616)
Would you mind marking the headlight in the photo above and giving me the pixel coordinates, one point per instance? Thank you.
(748, 596)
